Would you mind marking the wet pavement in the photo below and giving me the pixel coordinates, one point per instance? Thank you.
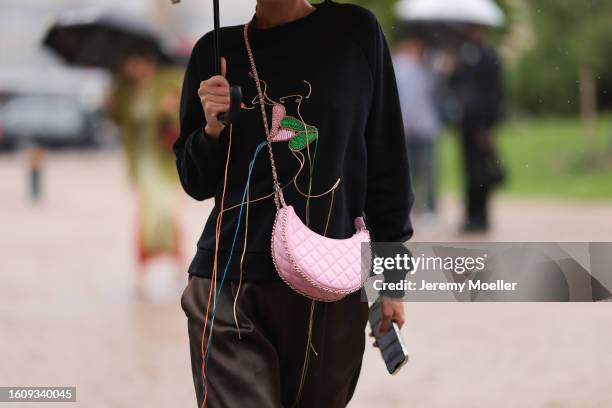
(69, 315)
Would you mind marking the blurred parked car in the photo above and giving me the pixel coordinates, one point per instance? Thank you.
(51, 121)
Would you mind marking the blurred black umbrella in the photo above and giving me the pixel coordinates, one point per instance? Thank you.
(100, 39)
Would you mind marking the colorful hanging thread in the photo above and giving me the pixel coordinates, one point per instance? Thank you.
(207, 349)
(214, 272)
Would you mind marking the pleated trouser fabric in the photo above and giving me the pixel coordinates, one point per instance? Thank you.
(262, 369)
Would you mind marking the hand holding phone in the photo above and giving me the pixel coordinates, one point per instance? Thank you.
(391, 345)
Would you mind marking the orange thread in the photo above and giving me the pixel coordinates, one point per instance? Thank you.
(214, 272)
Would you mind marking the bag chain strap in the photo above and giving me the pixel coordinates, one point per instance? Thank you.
(279, 200)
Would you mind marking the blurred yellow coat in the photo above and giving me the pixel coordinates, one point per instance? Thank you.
(149, 123)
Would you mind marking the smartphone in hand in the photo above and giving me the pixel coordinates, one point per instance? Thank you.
(391, 345)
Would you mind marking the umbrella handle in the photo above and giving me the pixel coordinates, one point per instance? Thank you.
(234, 109)
(235, 91)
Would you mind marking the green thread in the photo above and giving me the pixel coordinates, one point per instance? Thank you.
(296, 402)
(312, 168)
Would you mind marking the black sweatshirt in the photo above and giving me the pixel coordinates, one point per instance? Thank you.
(336, 61)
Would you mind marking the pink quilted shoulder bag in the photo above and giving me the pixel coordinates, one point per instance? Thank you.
(313, 265)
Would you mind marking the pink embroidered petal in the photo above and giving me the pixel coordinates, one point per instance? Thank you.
(283, 135)
(278, 113)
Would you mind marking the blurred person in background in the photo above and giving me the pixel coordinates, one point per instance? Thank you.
(477, 85)
(36, 157)
(417, 84)
(144, 104)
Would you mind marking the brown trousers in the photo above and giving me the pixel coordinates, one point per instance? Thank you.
(263, 368)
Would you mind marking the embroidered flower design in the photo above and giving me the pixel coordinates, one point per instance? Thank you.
(289, 128)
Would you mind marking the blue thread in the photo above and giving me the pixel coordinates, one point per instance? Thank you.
(229, 260)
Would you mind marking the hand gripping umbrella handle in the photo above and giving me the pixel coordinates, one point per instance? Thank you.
(234, 109)
(235, 91)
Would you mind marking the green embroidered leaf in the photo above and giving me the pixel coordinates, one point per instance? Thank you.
(289, 122)
(304, 134)
(299, 141)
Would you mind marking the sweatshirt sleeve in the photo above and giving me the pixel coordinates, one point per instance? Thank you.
(389, 193)
(199, 158)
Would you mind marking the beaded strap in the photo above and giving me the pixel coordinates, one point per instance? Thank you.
(279, 200)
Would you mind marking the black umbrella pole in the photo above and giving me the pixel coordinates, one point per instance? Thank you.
(235, 91)
(217, 38)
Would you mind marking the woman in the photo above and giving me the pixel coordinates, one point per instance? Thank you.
(329, 69)
(144, 103)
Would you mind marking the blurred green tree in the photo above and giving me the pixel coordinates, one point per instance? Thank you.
(570, 62)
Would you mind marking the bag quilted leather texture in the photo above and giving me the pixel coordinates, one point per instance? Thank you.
(315, 266)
